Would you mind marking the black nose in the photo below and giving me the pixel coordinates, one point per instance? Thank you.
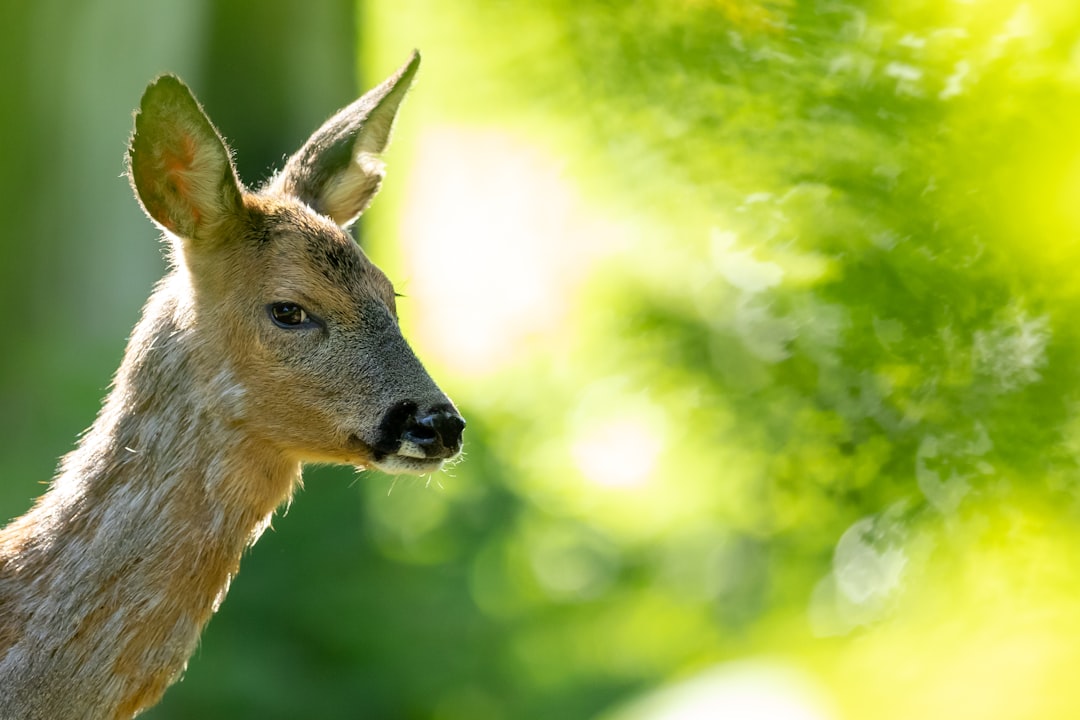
(435, 432)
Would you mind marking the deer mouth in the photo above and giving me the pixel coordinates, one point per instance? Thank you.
(407, 457)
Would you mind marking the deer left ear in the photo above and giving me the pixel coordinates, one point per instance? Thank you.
(338, 171)
(178, 163)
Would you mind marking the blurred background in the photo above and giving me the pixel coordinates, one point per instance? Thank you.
(763, 316)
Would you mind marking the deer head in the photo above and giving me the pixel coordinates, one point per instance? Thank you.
(283, 303)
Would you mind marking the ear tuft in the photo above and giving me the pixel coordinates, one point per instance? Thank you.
(338, 171)
(178, 163)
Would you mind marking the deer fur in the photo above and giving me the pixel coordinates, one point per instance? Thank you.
(272, 342)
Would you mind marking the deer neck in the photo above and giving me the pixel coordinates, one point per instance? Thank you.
(106, 583)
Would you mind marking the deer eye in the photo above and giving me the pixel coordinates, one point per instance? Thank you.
(288, 315)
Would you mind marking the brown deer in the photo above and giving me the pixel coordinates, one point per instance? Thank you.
(273, 341)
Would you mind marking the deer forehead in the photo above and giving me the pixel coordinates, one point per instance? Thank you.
(309, 254)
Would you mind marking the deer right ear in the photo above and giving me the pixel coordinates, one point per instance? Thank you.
(337, 172)
(178, 163)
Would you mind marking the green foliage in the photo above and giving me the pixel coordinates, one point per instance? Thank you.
(839, 296)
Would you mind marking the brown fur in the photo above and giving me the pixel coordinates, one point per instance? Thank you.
(107, 581)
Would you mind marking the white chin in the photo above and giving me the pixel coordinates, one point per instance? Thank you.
(399, 464)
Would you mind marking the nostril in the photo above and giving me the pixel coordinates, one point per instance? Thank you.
(447, 425)
(420, 434)
(453, 427)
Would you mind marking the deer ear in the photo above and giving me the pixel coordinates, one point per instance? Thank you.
(337, 172)
(178, 163)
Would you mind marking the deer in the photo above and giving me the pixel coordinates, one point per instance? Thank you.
(272, 342)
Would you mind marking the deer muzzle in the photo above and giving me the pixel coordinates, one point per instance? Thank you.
(416, 439)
